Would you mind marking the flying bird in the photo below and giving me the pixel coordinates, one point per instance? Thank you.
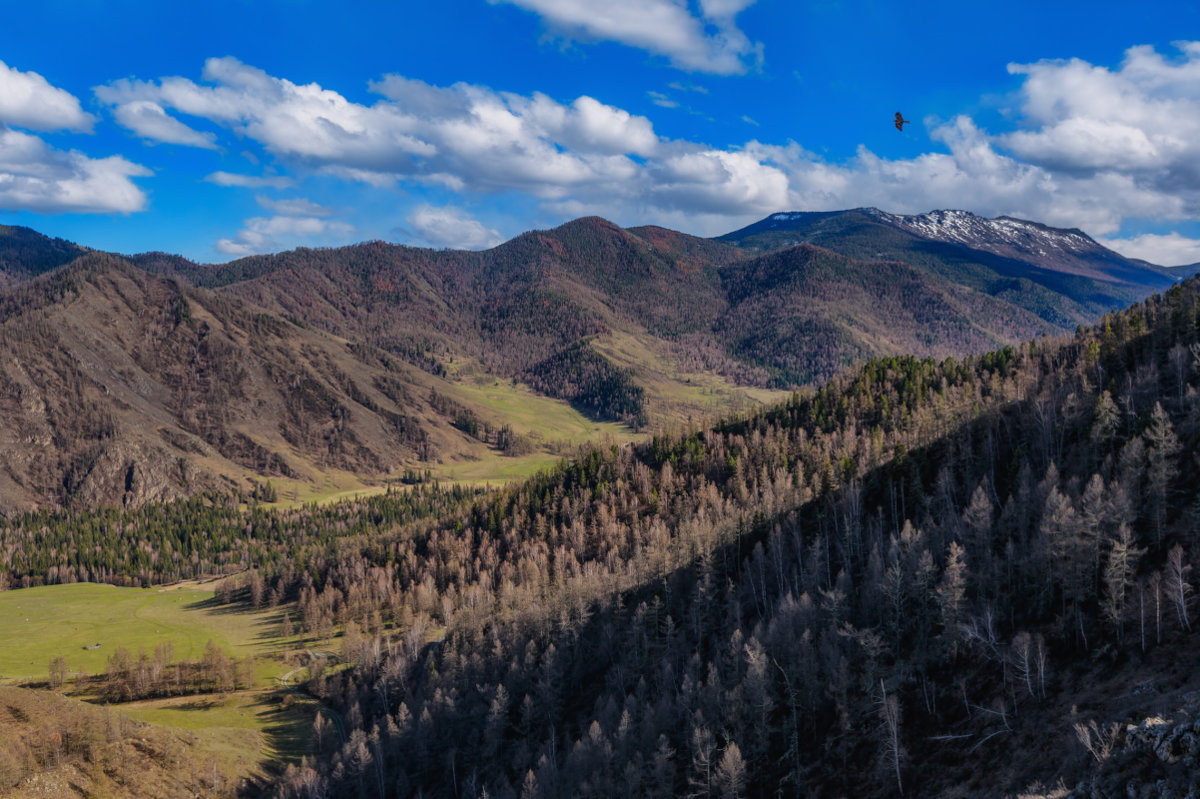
(900, 122)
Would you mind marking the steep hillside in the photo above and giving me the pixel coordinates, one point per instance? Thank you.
(518, 310)
(936, 579)
(120, 386)
(807, 313)
(930, 579)
(696, 302)
(373, 359)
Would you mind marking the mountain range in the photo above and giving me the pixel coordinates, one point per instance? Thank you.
(971, 577)
(135, 378)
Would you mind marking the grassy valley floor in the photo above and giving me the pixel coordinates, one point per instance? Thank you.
(223, 743)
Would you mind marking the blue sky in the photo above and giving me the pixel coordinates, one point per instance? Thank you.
(231, 127)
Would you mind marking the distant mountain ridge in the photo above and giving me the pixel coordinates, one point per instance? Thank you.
(25, 253)
(623, 324)
(529, 298)
(1068, 251)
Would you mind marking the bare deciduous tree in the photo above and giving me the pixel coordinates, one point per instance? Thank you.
(1177, 585)
(1098, 740)
(889, 715)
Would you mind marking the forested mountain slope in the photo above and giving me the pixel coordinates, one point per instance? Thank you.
(645, 327)
(1060, 275)
(925, 575)
(942, 577)
(808, 312)
(785, 317)
(25, 254)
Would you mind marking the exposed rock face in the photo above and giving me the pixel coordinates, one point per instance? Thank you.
(1155, 758)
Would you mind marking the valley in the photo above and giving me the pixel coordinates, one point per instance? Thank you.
(838, 506)
(145, 378)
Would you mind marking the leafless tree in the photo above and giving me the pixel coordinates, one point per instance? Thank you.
(1177, 586)
(889, 715)
(1098, 740)
(1022, 657)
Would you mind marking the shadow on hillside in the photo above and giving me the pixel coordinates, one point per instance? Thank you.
(214, 605)
(287, 726)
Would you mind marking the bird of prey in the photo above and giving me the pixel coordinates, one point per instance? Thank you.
(900, 122)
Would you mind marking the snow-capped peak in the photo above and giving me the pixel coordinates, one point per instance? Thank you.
(997, 235)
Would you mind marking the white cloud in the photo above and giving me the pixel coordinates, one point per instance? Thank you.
(1065, 164)
(710, 42)
(302, 122)
(27, 100)
(271, 234)
(1170, 249)
(150, 121)
(974, 175)
(249, 181)
(452, 228)
(1140, 120)
(298, 206)
(463, 136)
(660, 99)
(37, 177)
(716, 181)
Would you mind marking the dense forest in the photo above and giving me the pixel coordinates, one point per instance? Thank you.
(876, 588)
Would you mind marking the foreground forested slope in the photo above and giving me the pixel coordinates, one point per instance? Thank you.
(903, 579)
(942, 577)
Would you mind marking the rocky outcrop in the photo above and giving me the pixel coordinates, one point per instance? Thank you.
(1156, 757)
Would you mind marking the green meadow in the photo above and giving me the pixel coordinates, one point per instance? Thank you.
(69, 620)
(248, 730)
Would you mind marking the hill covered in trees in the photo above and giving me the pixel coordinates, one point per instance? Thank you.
(938, 577)
(150, 377)
(533, 297)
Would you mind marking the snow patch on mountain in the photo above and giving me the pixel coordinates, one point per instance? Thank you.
(1002, 233)
(785, 217)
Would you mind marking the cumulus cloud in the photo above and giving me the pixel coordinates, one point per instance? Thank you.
(27, 100)
(463, 136)
(302, 122)
(37, 177)
(269, 234)
(717, 181)
(976, 175)
(710, 42)
(1170, 249)
(1071, 161)
(150, 121)
(34, 176)
(1140, 120)
(451, 227)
